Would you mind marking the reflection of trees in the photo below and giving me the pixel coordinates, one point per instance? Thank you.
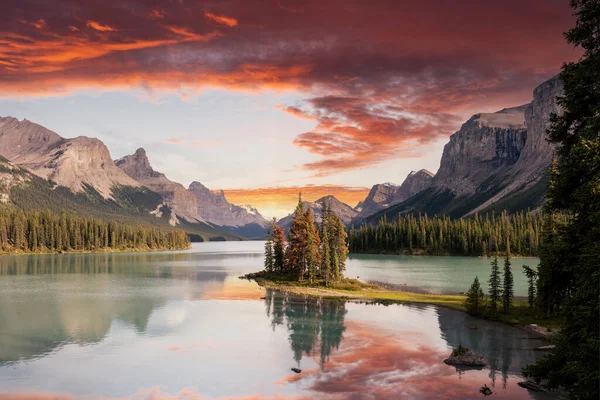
(505, 348)
(150, 265)
(312, 323)
(39, 324)
(76, 297)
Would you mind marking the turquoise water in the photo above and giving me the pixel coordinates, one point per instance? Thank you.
(181, 326)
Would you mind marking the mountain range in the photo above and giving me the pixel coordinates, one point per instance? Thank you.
(494, 161)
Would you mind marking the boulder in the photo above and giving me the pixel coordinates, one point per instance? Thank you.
(465, 357)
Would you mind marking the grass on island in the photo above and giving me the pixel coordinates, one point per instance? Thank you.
(354, 289)
(348, 288)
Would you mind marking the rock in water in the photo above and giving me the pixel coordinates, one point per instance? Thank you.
(485, 390)
(296, 370)
(465, 357)
(531, 385)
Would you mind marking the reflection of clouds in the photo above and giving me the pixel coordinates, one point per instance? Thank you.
(377, 363)
(155, 393)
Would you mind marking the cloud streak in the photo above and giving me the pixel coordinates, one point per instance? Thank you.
(381, 79)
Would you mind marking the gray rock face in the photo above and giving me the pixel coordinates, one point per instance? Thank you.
(182, 202)
(387, 194)
(68, 162)
(342, 210)
(484, 146)
(536, 157)
(495, 161)
(414, 183)
(214, 208)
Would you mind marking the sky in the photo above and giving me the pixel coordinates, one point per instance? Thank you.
(266, 98)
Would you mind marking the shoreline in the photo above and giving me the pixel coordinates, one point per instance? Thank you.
(363, 292)
(423, 254)
(100, 251)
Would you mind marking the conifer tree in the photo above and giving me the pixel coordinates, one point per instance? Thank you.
(494, 285)
(531, 275)
(269, 261)
(474, 302)
(313, 244)
(279, 246)
(508, 282)
(295, 255)
(571, 268)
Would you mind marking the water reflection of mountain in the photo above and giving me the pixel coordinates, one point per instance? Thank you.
(56, 299)
(314, 325)
(37, 326)
(506, 349)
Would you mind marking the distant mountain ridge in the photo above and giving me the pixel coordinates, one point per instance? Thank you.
(388, 194)
(341, 209)
(83, 171)
(197, 202)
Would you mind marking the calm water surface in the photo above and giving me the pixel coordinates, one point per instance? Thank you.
(181, 325)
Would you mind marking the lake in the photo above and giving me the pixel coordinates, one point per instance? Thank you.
(182, 326)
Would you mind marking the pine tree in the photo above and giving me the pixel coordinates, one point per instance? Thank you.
(326, 251)
(279, 247)
(474, 302)
(574, 363)
(508, 282)
(313, 244)
(295, 255)
(531, 275)
(495, 290)
(269, 260)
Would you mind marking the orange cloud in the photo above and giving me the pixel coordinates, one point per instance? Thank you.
(99, 27)
(221, 19)
(377, 91)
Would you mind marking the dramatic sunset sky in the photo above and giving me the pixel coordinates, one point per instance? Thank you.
(264, 97)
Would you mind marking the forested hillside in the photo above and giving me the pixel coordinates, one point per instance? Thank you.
(473, 236)
(47, 232)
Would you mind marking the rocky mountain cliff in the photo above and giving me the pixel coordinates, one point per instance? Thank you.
(72, 163)
(215, 208)
(484, 146)
(342, 210)
(387, 194)
(182, 201)
(495, 161)
(197, 203)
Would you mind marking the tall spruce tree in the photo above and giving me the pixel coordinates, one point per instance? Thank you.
(313, 247)
(495, 292)
(326, 256)
(474, 303)
(531, 275)
(295, 255)
(269, 260)
(507, 282)
(574, 362)
(279, 246)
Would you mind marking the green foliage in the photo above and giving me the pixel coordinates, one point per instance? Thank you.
(531, 275)
(475, 301)
(46, 232)
(569, 276)
(269, 260)
(460, 351)
(495, 290)
(279, 245)
(473, 236)
(507, 283)
(320, 254)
